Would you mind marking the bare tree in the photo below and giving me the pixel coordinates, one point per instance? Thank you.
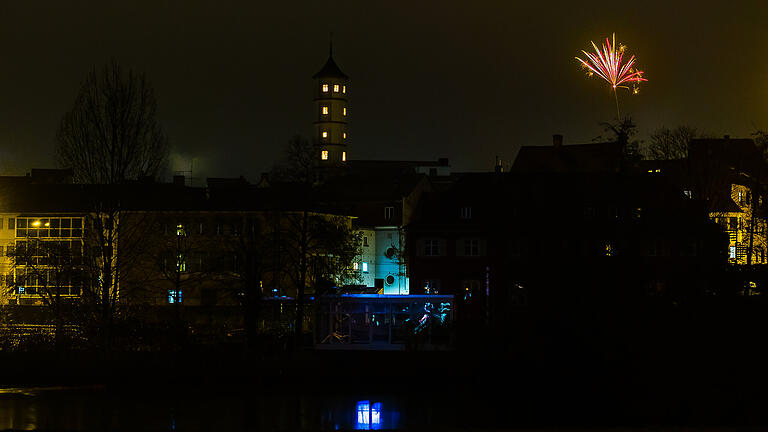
(671, 144)
(110, 137)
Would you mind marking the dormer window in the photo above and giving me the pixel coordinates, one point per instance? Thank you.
(324, 155)
(335, 88)
(325, 88)
(325, 110)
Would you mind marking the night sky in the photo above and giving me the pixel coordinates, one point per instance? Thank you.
(459, 79)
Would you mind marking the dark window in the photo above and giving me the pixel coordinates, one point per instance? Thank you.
(466, 213)
(471, 247)
(388, 212)
(431, 247)
(11, 223)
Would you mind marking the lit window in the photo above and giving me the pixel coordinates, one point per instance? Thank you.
(324, 155)
(368, 416)
(343, 156)
(325, 134)
(174, 296)
(344, 135)
(335, 88)
(180, 230)
(343, 89)
(688, 194)
(732, 252)
(355, 266)
(325, 88)
(325, 110)
(181, 263)
(365, 267)
(345, 111)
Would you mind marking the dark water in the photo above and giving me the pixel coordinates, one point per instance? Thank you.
(96, 408)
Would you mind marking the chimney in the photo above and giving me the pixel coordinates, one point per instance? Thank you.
(557, 140)
(178, 180)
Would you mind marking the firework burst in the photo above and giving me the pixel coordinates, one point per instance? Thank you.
(607, 64)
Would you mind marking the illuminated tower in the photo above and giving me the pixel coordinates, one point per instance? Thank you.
(331, 87)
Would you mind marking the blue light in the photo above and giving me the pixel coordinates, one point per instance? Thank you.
(368, 416)
(363, 413)
(173, 295)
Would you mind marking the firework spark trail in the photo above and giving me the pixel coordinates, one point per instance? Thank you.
(607, 64)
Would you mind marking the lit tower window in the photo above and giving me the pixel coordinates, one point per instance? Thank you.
(324, 155)
(335, 88)
(344, 135)
(325, 134)
(325, 88)
(343, 89)
(345, 111)
(325, 110)
(343, 156)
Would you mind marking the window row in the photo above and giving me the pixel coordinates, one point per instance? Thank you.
(48, 227)
(326, 110)
(324, 155)
(336, 88)
(44, 283)
(464, 247)
(205, 228)
(324, 135)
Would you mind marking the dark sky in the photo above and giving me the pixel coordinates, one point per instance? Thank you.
(461, 79)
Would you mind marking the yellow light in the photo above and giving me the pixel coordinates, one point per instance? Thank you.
(47, 224)
(325, 134)
(345, 110)
(36, 223)
(335, 88)
(344, 135)
(325, 110)
(324, 155)
(343, 156)
(325, 88)
(343, 89)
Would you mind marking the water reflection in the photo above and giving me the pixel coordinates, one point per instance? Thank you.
(85, 409)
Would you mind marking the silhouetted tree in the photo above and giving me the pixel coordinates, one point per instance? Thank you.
(316, 249)
(111, 136)
(621, 132)
(671, 144)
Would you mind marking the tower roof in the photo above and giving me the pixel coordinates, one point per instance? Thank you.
(330, 70)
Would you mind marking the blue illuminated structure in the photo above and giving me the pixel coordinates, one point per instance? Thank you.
(385, 322)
